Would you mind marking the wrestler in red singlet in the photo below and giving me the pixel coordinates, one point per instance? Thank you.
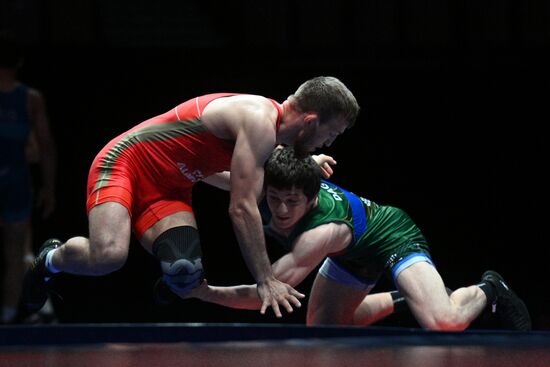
(151, 168)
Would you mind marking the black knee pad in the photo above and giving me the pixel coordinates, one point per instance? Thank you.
(179, 252)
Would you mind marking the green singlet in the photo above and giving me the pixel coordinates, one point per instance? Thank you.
(390, 237)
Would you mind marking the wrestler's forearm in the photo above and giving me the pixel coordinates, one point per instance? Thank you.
(248, 229)
(221, 180)
(241, 297)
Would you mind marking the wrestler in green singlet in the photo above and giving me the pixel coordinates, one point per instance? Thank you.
(390, 235)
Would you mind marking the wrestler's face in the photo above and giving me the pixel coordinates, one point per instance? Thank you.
(315, 135)
(287, 207)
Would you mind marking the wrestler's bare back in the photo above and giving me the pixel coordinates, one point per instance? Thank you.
(225, 117)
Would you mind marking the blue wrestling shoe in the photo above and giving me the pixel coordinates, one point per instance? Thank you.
(508, 307)
(34, 293)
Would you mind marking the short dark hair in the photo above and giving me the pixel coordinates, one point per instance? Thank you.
(284, 170)
(327, 96)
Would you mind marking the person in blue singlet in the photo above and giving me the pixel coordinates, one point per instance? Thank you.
(357, 241)
(24, 129)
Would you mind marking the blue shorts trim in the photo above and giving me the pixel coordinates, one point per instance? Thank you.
(335, 272)
(407, 261)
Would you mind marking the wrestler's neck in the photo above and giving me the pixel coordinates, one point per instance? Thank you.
(292, 123)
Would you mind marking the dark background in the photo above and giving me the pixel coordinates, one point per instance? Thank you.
(454, 100)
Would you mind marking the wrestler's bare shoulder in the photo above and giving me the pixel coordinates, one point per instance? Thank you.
(224, 116)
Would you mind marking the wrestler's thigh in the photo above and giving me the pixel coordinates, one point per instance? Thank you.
(109, 225)
(424, 290)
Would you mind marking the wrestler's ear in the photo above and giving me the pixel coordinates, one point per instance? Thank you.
(312, 202)
(311, 117)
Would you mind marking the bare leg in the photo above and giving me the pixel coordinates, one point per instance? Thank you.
(107, 248)
(332, 303)
(424, 290)
(373, 308)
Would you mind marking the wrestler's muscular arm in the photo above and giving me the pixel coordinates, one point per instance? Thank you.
(255, 141)
(221, 180)
(309, 249)
(252, 123)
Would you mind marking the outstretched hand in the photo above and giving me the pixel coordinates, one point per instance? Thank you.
(325, 161)
(197, 292)
(274, 293)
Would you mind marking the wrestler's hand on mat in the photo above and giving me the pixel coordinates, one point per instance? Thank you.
(325, 161)
(197, 292)
(273, 292)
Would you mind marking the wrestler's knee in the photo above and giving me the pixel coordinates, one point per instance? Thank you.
(178, 250)
(443, 321)
(327, 316)
(107, 256)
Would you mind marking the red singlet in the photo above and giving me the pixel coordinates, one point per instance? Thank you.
(151, 168)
